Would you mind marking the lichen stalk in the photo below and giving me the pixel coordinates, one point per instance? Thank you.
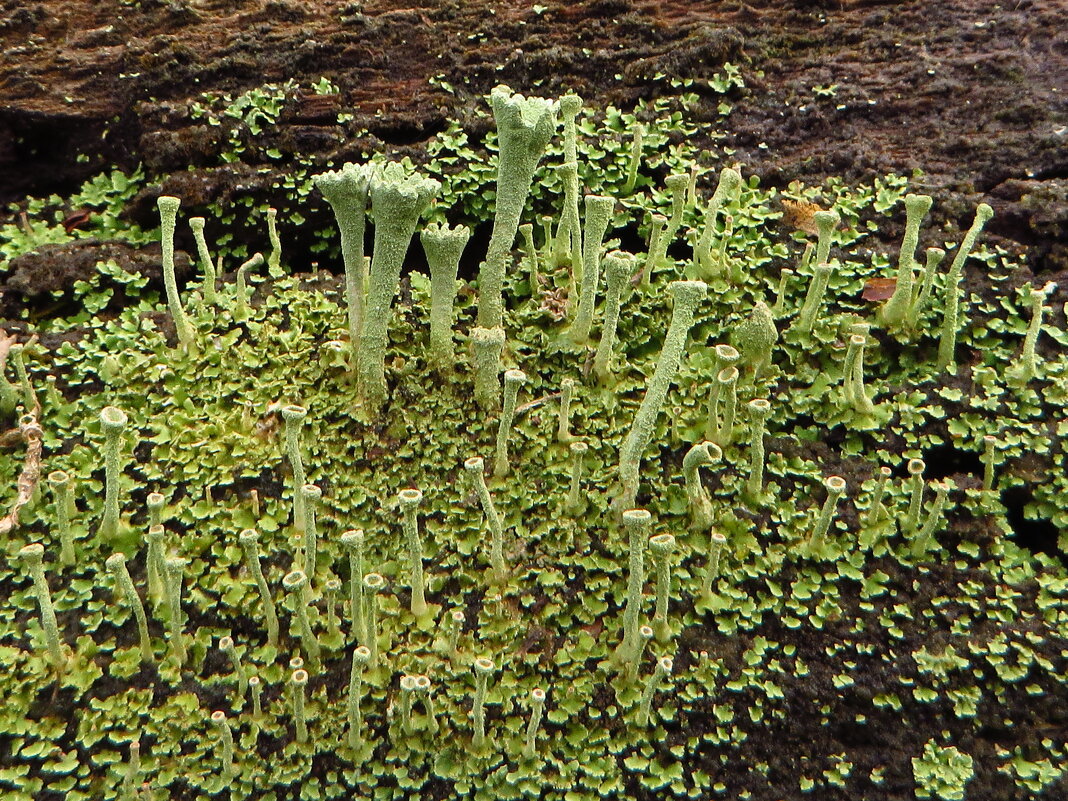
(676, 184)
(249, 540)
(346, 190)
(172, 571)
(116, 565)
(296, 583)
(876, 510)
(618, 268)
(716, 543)
(311, 496)
(922, 294)
(563, 427)
(154, 569)
(814, 297)
(724, 356)
(299, 681)
(567, 243)
(734, 266)
(361, 657)
(409, 502)
(759, 408)
(425, 691)
(664, 666)
(524, 127)
(730, 181)
(836, 487)
(698, 502)
(635, 159)
(598, 215)
(353, 542)
(912, 516)
(780, 294)
(483, 668)
(1028, 364)
(662, 546)
(52, 395)
(154, 503)
(443, 247)
(853, 390)
(9, 396)
(373, 583)
(636, 523)
(633, 665)
(331, 590)
(896, 309)
(654, 253)
(168, 215)
(989, 461)
(947, 344)
(226, 743)
(513, 379)
(257, 697)
(531, 252)
(113, 422)
(293, 418)
(475, 468)
(488, 344)
(206, 264)
(131, 779)
(33, 556)
(29, 397)
(59, 483)
(397, 202)
(407, 690)
(922, 542)
(687, 295)
(226, 645)
(575, 503)
(728, 395)
(274, 258)
(455, 627)
(241, 287)
(537, 708)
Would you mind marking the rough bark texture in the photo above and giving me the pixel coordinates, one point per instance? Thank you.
(973, 92)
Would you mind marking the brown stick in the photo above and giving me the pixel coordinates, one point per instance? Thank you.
(526, 407)
(30, 432)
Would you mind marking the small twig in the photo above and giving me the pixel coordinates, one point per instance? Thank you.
(6, 341)
(535, 403)
(30, 432)
(11, 438)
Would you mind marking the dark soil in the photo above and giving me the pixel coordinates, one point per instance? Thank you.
(972, 92)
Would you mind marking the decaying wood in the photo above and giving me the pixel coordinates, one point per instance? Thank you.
(30, 432)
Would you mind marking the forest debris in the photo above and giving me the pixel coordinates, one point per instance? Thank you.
(30, 432)
(879, 288)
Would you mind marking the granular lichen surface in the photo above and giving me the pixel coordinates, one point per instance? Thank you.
(819, 628)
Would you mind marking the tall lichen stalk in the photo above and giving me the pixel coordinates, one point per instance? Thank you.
(687, 295)
(346, 190)
(397, 201)
(524, 127)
